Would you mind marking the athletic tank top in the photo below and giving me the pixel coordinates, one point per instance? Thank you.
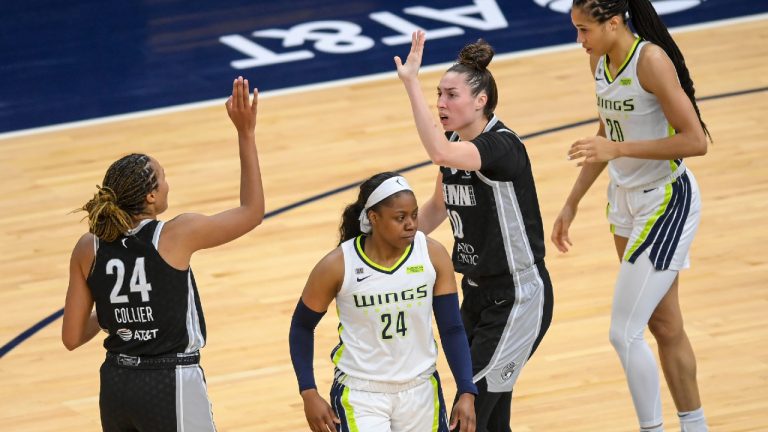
(628, 112)
(385, 315)
(494, 211)
(148, 307)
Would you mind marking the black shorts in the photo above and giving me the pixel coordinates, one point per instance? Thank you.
(155, 394)
(505, 318)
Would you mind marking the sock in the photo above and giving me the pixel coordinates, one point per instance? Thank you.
(693, 421)
(657, 428)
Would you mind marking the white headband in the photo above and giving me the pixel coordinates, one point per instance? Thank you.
(386, 189)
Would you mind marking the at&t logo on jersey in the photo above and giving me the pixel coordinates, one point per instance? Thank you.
(662, 7)
(142, 335)
(125, 334)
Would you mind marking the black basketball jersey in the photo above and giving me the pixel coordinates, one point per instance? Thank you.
(494, 212)
(147, 306)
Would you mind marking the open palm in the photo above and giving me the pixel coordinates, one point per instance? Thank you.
(410, 70)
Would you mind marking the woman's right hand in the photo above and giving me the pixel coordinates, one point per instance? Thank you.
(410, 70)
(239, 107)
(560, 231)
(320, 415)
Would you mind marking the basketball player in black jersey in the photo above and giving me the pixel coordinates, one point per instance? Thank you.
(136, 271)
(485, 187)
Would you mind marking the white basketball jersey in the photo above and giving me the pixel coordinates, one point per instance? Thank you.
(629, 113)
(385, 315)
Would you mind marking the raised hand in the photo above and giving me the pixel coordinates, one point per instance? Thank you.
(410, 70)
(241, 111)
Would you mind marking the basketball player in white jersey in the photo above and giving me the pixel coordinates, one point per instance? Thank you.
(387, 279)
(649, 122)
(136, 271)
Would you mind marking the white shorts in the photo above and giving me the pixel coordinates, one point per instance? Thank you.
(419, 408)
(660, 219)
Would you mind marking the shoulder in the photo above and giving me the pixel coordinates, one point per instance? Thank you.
(182, 225)
(499, 133)
(84, 248)
(84, 253)
(654, 67)
(326, 278)
(436, 249)
(180, 220)
(652, 56)
(332, 263)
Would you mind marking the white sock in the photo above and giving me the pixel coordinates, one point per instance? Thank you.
(693, 421)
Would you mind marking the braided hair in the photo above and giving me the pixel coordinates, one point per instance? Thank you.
(648, 26)
(122, 195)
(473, 63)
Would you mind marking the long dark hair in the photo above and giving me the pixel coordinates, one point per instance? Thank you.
(648, 26)
(121, 195)
(473, 62)
(350, 224)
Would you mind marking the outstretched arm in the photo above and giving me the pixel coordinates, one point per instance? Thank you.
(458, 154)
(190, 232)
(445, 305)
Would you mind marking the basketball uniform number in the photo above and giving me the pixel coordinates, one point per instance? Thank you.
(138, 282)
(456, 224)
(400, 327)
(614, 130)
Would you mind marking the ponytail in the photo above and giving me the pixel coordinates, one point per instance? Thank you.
(121, 196)
(648, 26)
(105, 219)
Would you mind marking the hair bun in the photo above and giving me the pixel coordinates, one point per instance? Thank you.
(476, 55)
(106, 194)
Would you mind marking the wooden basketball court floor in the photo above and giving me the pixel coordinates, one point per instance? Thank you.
(314, 141)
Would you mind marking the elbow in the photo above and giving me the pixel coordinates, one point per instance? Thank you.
(255, 216)
(69, 343)
(703, 148)
(700, 148)
(439, 158)
(257, 220)
(699, 145)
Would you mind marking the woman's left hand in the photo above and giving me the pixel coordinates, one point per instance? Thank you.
(593, 149)
(463, 413)
(410, 70)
